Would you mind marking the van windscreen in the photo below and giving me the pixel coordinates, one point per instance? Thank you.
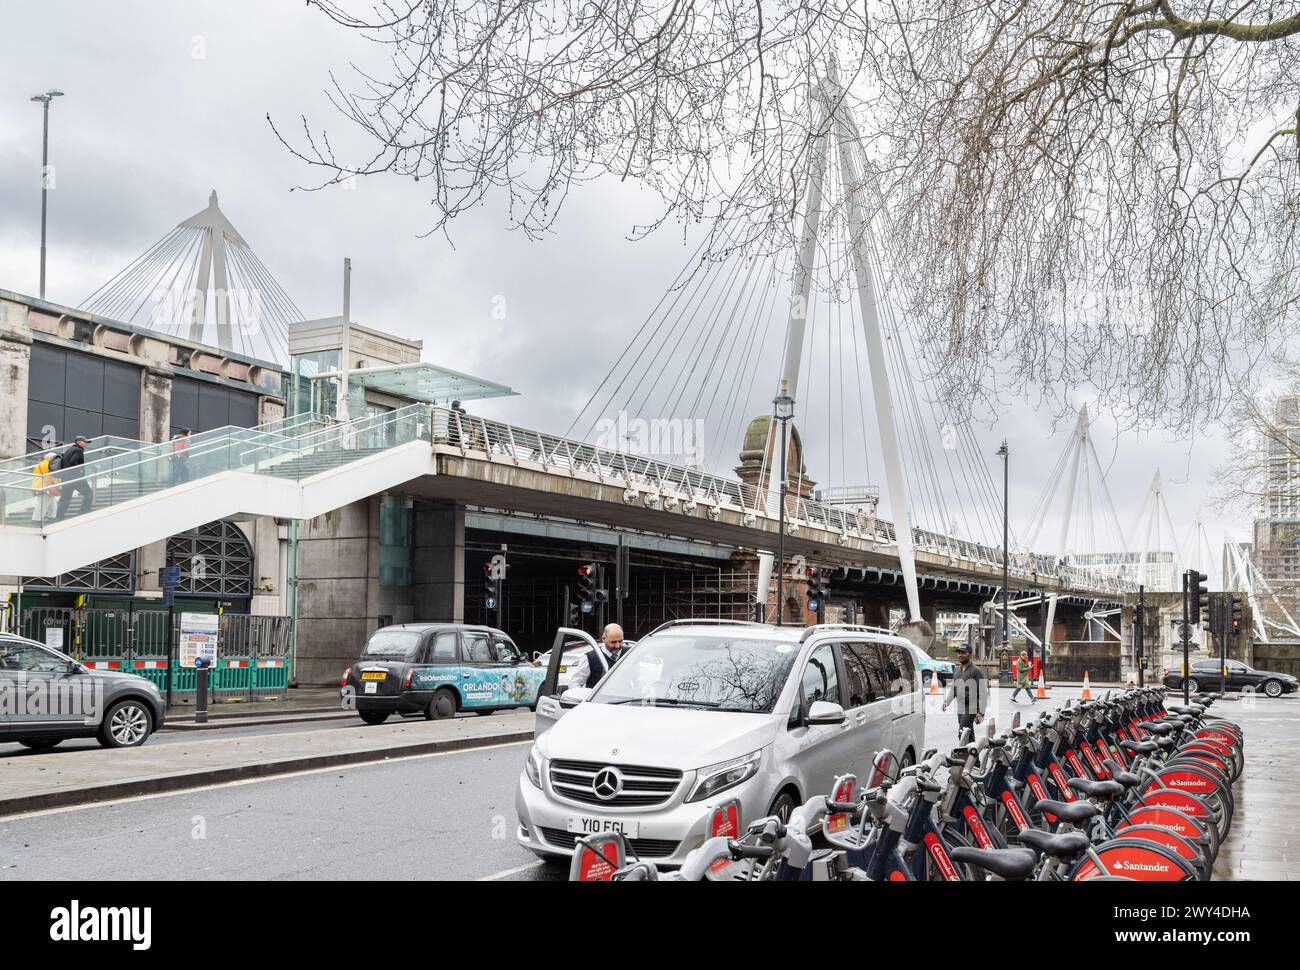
(717, 673)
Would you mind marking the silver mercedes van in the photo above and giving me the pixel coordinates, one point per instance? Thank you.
(700, 713)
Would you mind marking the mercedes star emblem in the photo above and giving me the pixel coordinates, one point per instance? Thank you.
(608, 783)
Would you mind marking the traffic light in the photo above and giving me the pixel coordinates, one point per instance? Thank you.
(491, 587)
(818, 593)
(1200, 595)
(573, 614)
(587, 585)
(1236, 615)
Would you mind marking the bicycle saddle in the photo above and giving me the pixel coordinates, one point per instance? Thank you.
(1096, 789)
(1119, 774)
(1072, 812)
(1158, 727)
(1140, 747)
(1195, 710)
(1062, 845)
(1007, 863)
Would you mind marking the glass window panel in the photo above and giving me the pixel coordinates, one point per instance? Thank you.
(185, 404)
(85, 388)
(121, 389)
(444, 648)
(44, 422)
(76, 421)
(820, 679)
(862, 687)
(243, 409)
(214, 407)
(47, 373)
(122, 427)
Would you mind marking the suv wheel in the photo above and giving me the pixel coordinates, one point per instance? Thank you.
(1193, 686)
(40, 744)
(1273, 688)
(126, 725)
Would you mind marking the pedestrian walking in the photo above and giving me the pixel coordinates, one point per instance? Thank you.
(179, 455)
(1024, 669)
(74, 478)
(970, 689)
(45, 485)
(595, 664)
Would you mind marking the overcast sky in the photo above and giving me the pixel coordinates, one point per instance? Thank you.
(168, 100)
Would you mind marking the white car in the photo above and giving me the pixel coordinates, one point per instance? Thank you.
(572, 653)
(700, 714)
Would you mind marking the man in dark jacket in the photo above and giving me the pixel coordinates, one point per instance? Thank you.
(595, 664)
(74, 477)
(970, 689)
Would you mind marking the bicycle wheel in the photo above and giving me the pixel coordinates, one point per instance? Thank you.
(1191, 806)
(1185, 849)
(1202, 781)
(1135, 859)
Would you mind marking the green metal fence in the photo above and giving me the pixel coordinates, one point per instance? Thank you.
(252, 654)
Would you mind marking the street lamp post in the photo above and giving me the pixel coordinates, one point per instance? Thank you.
(1006, 559)
(45, 100)
(783, 409)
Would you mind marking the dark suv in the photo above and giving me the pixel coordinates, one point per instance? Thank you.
(1238, 676)
(47, 697)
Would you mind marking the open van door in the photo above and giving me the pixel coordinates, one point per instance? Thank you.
(550, 708)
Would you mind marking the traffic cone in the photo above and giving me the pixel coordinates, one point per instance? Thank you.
(1087, 689)
(1041, 693)
(934, 683)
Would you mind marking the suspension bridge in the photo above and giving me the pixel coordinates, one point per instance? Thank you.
(903, 491)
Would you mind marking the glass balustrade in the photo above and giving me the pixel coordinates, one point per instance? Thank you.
(292, 448)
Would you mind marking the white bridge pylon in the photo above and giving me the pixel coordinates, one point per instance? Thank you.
(1244, 575)
(836, 123)
(1086, 515)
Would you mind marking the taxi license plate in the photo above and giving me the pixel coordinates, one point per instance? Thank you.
(374, 675)
(372, 688)
(584, 825)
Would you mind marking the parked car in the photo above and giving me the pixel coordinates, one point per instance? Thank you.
(1204, 675)
(927, 665)
(47, 697)
(697, 714)
(436, 670)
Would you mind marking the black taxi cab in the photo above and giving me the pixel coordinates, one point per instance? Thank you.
(437, 670)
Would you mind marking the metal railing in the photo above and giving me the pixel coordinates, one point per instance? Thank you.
(658, 484)
(291, 448)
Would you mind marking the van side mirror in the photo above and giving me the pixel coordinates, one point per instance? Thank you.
(824, 712)
(575, 696)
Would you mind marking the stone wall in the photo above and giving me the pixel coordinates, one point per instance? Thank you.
(1099, 658)
(1282, 657)
(340, 599)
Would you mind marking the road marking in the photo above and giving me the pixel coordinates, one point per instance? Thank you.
(510, 872)
(256, 781)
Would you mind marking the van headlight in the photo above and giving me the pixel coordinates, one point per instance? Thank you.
(533, 766)
(725, 774)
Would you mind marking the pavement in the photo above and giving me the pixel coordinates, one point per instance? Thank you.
(31, 781)
(299, 704)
